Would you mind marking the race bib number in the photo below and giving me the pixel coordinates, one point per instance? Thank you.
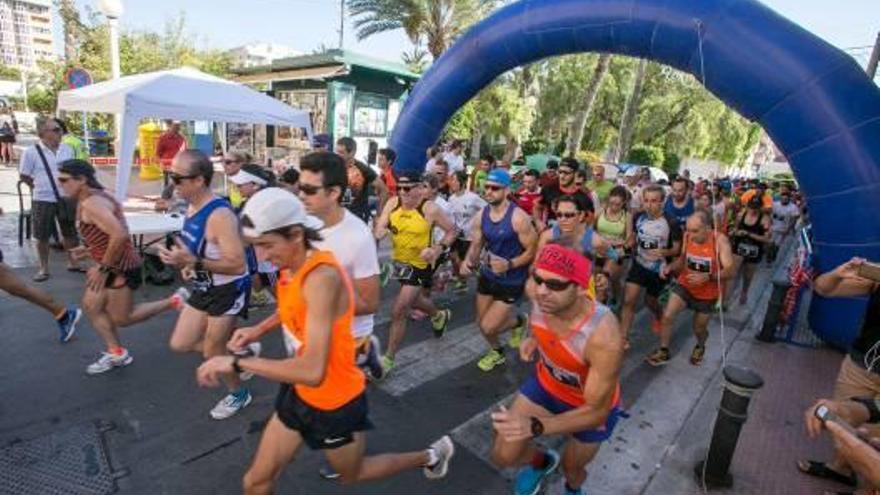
(202, 280)
(646, 242)
(401, 271)
(699, 264)
(561, 375)
(747, 250)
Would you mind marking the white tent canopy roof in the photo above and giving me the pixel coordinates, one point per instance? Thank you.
(182, 94)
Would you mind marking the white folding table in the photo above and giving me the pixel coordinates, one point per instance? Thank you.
(159, 224)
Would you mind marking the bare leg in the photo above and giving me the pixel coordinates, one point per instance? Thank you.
(675, 306)
(216, 336)
(14, 286)
(124, 313)
(278, 447)
(399, 315)
(748, 273)
(352, 466)
(189, 332)
(424, 304)
(94, 304)
(701, 327)
(43, 255)
(495, 321)
(575, 458)
(70, 243)
(628, 311)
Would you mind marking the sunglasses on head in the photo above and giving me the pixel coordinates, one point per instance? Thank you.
(566, 214)
(491, 187)
(309, 190)
(552, 284)
(177, 178)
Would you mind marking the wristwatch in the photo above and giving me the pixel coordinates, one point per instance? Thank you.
(235, 365)
(537, 427)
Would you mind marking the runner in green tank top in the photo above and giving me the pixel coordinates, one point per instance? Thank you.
(614, 224)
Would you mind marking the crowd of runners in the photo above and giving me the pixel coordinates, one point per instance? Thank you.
(560, 259)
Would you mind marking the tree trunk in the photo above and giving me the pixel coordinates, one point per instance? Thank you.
(630, 112)
(475, 141)
(576, 131)
(510, 149)
(70, 23)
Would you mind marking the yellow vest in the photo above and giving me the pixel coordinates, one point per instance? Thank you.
(410, 234)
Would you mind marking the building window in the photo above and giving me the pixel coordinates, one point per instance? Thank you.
(370, 115)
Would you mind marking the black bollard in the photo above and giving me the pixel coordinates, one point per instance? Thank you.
(774, 310)
(739, 386)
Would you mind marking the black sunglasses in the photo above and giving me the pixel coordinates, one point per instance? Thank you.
(490, 187)
(406, 188)
(64, 179)
(309, 190)
(552, 284)
(177, 178)
(566, 214)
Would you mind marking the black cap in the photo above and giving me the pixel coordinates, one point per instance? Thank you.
(409, 177)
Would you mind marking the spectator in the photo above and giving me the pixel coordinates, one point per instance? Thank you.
(599, 184)
(860, 452)
(170, 143)
(550, 178)
(7, 139)
(387, 157)
(232, 163)
(454, 157)
(289, 180)
(859, 374)
(39, 170)
(481, 172)
(76, 144)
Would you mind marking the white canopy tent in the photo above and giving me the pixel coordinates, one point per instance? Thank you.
(180, 94)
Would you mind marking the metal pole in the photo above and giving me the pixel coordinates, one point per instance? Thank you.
(341, 24)
(114, 67)
(875, 57)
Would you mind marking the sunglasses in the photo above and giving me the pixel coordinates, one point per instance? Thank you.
(406, 188)
(309, 190)
(64, 179)
(177, 178)
(490, 187)
(552, 284)
(566, 214)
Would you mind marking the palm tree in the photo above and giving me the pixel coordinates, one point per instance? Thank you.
(435, 23)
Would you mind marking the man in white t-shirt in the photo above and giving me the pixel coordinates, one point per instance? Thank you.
(464, 206)
(784, 216)
(454, 158)
(322, 181)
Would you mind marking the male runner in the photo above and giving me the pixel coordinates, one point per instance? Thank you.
(575, 387)
(509, 236)
(410, 218)
(783, 219)
(322, 182)
(543, 211)
(362, 179)
(706, 255)
(680, 204)
(657, 237)
(321, 400)
(211, 254)
(529, 193)
(465, 205)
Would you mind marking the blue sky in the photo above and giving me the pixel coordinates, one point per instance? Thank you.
(305, 24)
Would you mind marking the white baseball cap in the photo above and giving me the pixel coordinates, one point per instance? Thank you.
(633, 172)
(274, 208)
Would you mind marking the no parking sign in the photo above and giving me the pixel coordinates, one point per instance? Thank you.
(77, 77)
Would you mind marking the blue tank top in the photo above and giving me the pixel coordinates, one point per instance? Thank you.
(680, 214)
(502, 241)
(193, 236)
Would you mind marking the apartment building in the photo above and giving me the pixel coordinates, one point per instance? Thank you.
(26, 32)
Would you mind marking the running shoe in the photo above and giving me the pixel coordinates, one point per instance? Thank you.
(373, 363)
(440, 322)
(179, 298)
(231, 404)
(659, 357)
(529, 479)
(67, 323)
(252, 350)
(698, 354)
(327, 472)
(492, 359)
(387, 365)
(444, 450)
(518, 331)
(109, 361)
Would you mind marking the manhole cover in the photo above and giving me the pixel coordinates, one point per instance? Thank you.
(69, 462)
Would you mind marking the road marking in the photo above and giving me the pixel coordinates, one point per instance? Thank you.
(420, 363)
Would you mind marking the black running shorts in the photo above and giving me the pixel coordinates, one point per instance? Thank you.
(220, 300)
(508, 294)
(322, 430)
(643, 277)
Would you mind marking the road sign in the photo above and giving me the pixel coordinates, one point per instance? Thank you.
(77, 77)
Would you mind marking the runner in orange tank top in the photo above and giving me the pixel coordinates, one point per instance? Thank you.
(321, 401)
(697, 287)
(575, 391)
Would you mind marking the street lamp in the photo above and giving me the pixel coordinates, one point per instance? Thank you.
(112, 10)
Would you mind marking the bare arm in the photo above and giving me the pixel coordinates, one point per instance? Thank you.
(528, 238)
(604, 352)
(380, 229)
(725, 256)
(844, 281)
(382, 191)
(325, 299)
(222, 229)
(471, 257)
(366, 295)
(435, 216)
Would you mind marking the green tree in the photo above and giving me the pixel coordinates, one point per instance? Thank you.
(434, 23)
(8, 73)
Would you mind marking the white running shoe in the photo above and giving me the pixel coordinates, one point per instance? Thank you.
(108, 361)
(253, 350)
(230, 405)
(445, 449)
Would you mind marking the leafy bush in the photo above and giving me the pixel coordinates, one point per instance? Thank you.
(646, 155)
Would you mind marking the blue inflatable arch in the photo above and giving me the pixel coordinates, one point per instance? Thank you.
(813, 100)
